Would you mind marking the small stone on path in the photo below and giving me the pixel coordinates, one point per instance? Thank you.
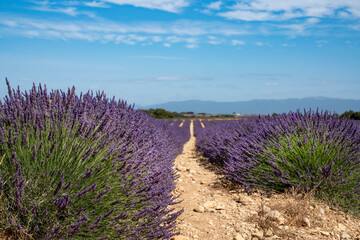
(239, 229)
(246, 200)
(179, 238)
(306, 222)
(273, 215)
(181, 168)
(199, 209)
(238, 237)
(257, 234)
(269, 233)
(209, 204)
(341, 227)
(344, 235)
(266, 209)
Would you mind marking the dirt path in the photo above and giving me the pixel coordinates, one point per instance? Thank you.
(209, 213)
(213, 210)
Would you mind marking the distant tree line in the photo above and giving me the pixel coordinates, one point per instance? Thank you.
(351, 115)
(223, 116)
(162, 113)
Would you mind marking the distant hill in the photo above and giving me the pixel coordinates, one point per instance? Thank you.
(260, 106)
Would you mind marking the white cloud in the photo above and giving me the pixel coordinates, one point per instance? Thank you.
(300, 28)
(262, 44)
(247, 15)
(271, 84)
(137, 37)
(288, 45)
(9, 23)
(31, 33)
(277, 10)
(174, 39)
(355, 27)
(237, 42)
(205, 11)
(312, 20)
(192, 45)
(215, 5)
(71, 11)
(187, 32)
(174, 6)
(187, 27)
(157, 39)
(126, 39)
(355, 12)
(321, 43)
(215, 40)
(96, 4)
(190, 42)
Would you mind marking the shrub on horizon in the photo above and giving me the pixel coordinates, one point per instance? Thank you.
(351, 115)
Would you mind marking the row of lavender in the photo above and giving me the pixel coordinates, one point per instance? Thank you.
(302, 150)
(85, 167)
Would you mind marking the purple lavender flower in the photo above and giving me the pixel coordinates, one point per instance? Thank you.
(297, 149)
(121, 147)
(62, 202)
(86, 190)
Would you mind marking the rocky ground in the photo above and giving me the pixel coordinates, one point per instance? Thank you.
(216, 209)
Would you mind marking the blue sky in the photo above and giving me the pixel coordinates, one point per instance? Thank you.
(156, 51)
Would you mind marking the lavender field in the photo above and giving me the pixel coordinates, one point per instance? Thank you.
(311, 152)
(85, 167)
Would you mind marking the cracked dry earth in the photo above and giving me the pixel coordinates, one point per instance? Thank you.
(216, 209)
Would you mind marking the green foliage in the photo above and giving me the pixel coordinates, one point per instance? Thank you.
(223, 116)
(64, 152)
(312, 152)
(84, 167)
(351, 115)
(162, 113)
(302, 160)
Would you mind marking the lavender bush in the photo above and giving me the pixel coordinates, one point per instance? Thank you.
(85, 167)
(307, 151)
(177, 122)
(186, 130)
(197, 127)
